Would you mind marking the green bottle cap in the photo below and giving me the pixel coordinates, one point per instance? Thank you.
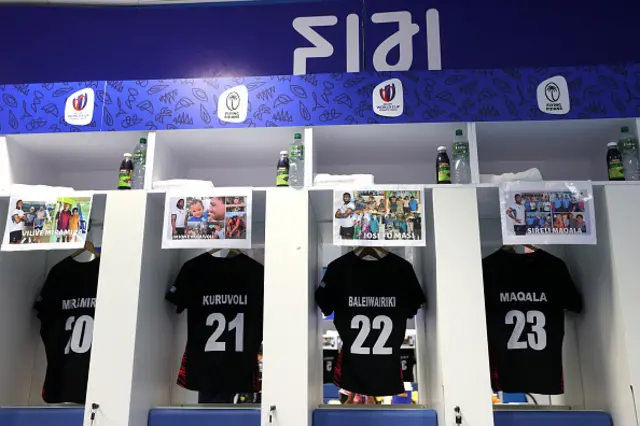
(143, 140)
(297, 136)
(624, 129)
(459, 132)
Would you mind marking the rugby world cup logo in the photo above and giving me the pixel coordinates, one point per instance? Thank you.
(388, 92)
(80, 102)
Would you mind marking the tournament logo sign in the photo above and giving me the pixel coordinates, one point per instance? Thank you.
(388, 98)
(207, 219)
(80, 102)
(233, 105)
(384, 216)
(547, 213)
(41, 221)
(78, 110)
(553, 96)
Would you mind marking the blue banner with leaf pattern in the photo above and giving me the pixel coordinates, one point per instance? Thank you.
(325, 99)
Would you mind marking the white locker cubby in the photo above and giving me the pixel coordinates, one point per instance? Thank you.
(138, 337)
(23, 273)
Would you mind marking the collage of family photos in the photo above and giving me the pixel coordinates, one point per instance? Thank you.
(206, 218)
(50, 221)
(548, 212)
(378, 215)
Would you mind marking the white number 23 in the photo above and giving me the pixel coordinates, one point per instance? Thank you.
(536, 340)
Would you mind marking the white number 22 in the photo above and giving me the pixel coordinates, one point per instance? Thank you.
(237, 323)
(537, 340)
(81, 334)
(381, 322)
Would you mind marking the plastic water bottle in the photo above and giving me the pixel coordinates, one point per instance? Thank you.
(296, 162)
(628, 146)
(461, 165)
(139, 164)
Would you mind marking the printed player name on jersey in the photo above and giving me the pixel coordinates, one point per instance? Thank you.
(372, 302)
(523, 297)
(224, 299)
(79, 303)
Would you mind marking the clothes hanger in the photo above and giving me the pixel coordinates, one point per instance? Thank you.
(372, 251)
(88, 246)
(234, 251)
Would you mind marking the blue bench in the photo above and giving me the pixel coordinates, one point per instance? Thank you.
(41, 416)
(374, 417)
(203, 417)
(551, 418)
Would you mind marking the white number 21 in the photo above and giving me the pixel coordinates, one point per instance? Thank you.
(381, 322)
(237, 323)
(537, 340)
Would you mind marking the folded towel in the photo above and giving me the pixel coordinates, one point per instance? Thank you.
(531, 175)
(46, 189)
(324, 179)
(177, 183)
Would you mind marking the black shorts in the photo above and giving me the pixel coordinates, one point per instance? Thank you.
(346, 233)
(179, 231)
(38, 228)
(520, 229)
(15, 237)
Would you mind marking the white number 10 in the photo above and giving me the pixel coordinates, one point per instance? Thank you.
(536, 340)
(81, 334)
(238, 324)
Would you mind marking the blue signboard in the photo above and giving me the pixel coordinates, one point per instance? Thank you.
(60, 43)
(324, 99)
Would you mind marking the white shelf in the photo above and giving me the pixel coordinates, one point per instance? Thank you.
(84, 161)
(227, 157)
(561, 150)
(393, 153)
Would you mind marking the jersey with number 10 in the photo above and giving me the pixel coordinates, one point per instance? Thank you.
(525, 298)
(66, 308)
(224, 302)
(372, 301)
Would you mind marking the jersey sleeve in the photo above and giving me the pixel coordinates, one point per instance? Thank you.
(326, 291)
(45, 304)
(178, 293)
(415, 295)
(571, 298)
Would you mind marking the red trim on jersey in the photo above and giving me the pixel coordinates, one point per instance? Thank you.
(337, 371)
(495, 378)
(182, 375)
(256, 378)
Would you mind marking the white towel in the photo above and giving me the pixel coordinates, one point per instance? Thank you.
(327, 180)
(178, 183)
(531, 175)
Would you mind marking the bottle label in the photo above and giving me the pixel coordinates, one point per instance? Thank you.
(461, 149)
(124, 178)
(282, 177)
(444, 172)
(140, 156)
(616, 170)
(296, 152)
(628, 145)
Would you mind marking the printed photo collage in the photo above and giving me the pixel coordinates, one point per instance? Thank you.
(207, 218)
(48, 221)
(380, 215)
(548, 212)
